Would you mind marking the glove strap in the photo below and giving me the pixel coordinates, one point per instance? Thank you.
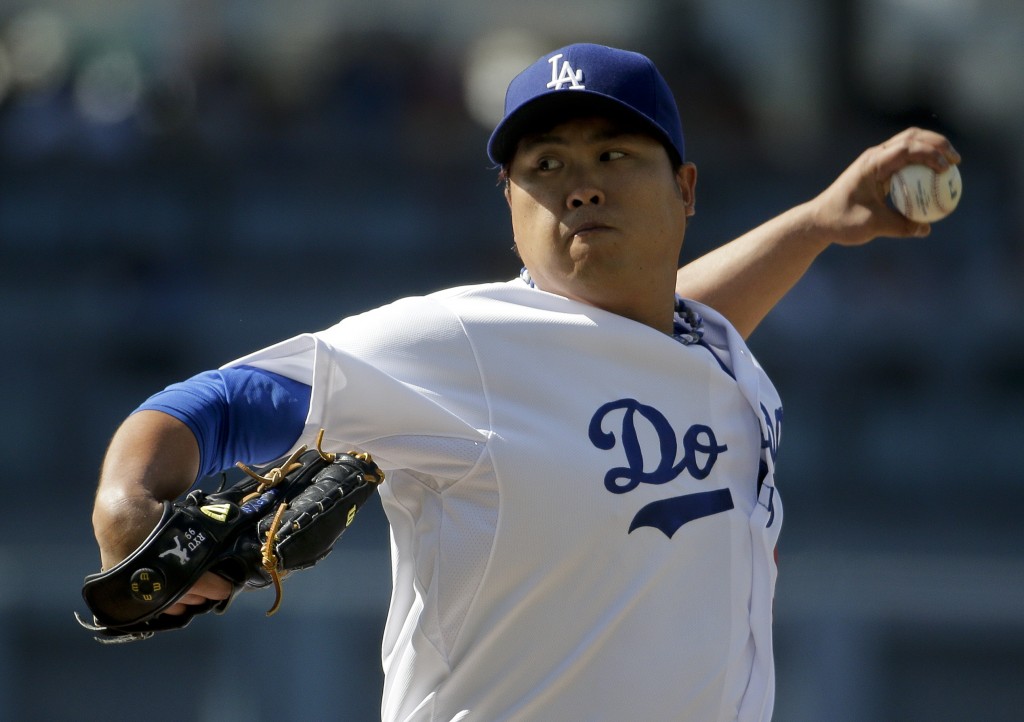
(163, 568)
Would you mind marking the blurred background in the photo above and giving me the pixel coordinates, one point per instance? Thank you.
(184, 181)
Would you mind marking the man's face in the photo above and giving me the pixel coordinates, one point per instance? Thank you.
(599, 213)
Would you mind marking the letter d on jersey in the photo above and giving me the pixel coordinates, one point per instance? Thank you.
(700, 447)
(700, 452)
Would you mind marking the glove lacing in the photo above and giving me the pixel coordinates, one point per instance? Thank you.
(272, 478)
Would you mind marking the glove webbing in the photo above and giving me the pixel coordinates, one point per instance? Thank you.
(272, 479)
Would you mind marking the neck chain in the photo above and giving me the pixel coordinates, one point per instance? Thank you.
(687, 324)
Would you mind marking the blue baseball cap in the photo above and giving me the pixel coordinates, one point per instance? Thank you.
(586, 79)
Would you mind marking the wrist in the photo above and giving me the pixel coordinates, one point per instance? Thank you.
(820, 227)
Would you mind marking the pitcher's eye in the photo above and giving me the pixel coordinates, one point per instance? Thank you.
(612, 155)
(548, 164)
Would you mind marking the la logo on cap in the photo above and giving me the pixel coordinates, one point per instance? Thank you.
(565, 75)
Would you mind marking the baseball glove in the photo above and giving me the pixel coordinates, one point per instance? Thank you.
(252, 534)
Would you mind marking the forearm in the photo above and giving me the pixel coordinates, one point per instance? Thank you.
(194, 428)
(745, 278)
(152, 458)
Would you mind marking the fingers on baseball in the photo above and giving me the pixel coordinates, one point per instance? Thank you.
(899, 226)
(914, 145)
(916, 230)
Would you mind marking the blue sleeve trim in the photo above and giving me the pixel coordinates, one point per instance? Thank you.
(237, 414)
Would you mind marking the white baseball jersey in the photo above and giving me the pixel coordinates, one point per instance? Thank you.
(578, 528)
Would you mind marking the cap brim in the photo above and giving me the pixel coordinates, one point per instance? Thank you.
(546, 111)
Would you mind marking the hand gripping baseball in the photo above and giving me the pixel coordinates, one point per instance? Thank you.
(253, 534)
(855, 207)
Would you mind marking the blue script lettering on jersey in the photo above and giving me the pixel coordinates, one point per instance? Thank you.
(770, 442)
(773, 430)
(698, 441)
(700, 452)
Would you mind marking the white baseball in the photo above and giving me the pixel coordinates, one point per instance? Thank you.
(923, 195)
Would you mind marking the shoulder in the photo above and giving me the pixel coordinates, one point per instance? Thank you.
(515, 291)
(413, 321)
(723, 336)
(498, 302)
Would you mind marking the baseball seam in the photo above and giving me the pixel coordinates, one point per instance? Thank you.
(936, 195)
(903, 188)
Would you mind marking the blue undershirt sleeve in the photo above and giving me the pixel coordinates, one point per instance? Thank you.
(237, 414)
